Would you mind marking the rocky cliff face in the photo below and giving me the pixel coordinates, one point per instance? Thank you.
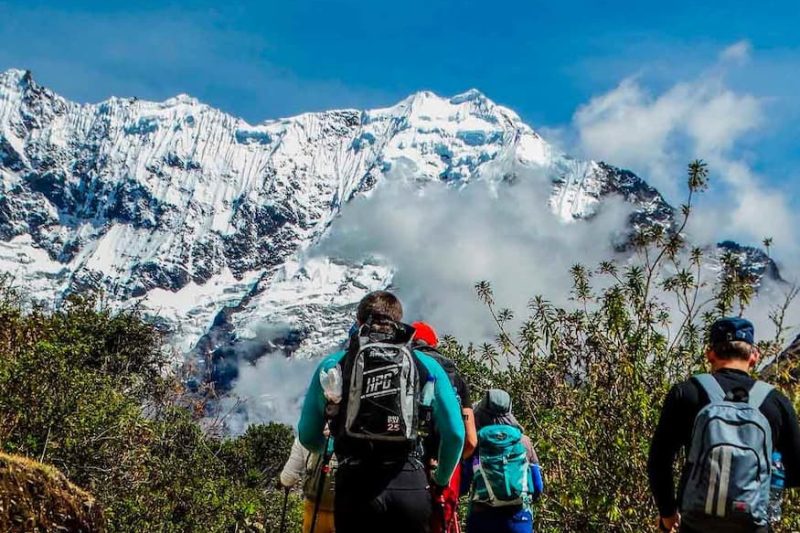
(205, 218)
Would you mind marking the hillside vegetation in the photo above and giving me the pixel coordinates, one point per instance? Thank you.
(83, 391)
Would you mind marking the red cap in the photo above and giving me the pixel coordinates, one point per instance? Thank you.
(424, 332)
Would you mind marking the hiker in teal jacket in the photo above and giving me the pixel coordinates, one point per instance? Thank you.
(446, 416)
(376, 493)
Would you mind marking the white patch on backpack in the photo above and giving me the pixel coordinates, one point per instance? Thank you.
(380, 384)
(393, 424)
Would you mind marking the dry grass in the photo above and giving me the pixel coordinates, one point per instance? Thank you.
(37, 498)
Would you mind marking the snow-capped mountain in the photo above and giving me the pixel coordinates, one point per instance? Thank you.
(206, 218)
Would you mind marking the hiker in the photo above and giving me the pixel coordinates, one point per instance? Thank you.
(445, 515)
(728, 424)
(306, 466)
(381, 484)
(503, 477)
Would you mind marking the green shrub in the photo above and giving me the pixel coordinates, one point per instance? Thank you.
(83, 389)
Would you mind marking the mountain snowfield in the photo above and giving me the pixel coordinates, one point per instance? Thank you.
(207, 220)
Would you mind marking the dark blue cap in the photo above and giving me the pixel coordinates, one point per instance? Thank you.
(732, 329)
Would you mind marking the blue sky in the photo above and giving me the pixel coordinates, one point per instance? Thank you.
(263, 59)
(568, 68)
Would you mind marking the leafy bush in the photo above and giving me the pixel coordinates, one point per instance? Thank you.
(588, 380)
(84, 390)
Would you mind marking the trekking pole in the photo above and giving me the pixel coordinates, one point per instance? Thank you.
(326, 459)
(285, 506)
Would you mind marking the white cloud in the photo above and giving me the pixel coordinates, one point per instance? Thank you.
(758, 210)
(271, 390)
(443, 241)
(657, 133)
(738, 52)
(718, 118)
(631, 127)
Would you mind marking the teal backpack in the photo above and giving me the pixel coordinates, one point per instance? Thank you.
(502, 472)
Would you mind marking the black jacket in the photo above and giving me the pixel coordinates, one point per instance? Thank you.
(674, 432)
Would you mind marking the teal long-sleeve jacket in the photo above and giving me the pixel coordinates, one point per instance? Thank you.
(446, 415)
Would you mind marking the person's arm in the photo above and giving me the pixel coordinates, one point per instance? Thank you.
(312, 418)
(467, 475)
(789, 443)
(536, 470)
(470, 432)
(663, 448)
(468, 416)
(295, 467)
(447, 418)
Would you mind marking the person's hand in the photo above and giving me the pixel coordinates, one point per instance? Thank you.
(669, 523)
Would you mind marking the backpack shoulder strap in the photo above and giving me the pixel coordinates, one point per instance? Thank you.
(711, 386)
(422, 368)
(759, 393)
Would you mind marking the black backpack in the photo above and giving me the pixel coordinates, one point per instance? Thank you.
(382, 381)
(447, 364)
(430, 444)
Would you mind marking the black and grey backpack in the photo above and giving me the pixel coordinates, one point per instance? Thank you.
(382, 382)
(729, 462)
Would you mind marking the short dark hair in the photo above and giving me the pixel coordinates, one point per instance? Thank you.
(379, 304)
(732, 350)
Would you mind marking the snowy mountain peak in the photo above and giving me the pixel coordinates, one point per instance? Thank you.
(19, 84)
(208, 218)
(426, 106)
(468, 96)
(15, 78)
(182, 99)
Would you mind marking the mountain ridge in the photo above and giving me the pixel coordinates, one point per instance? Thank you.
(207, 217)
